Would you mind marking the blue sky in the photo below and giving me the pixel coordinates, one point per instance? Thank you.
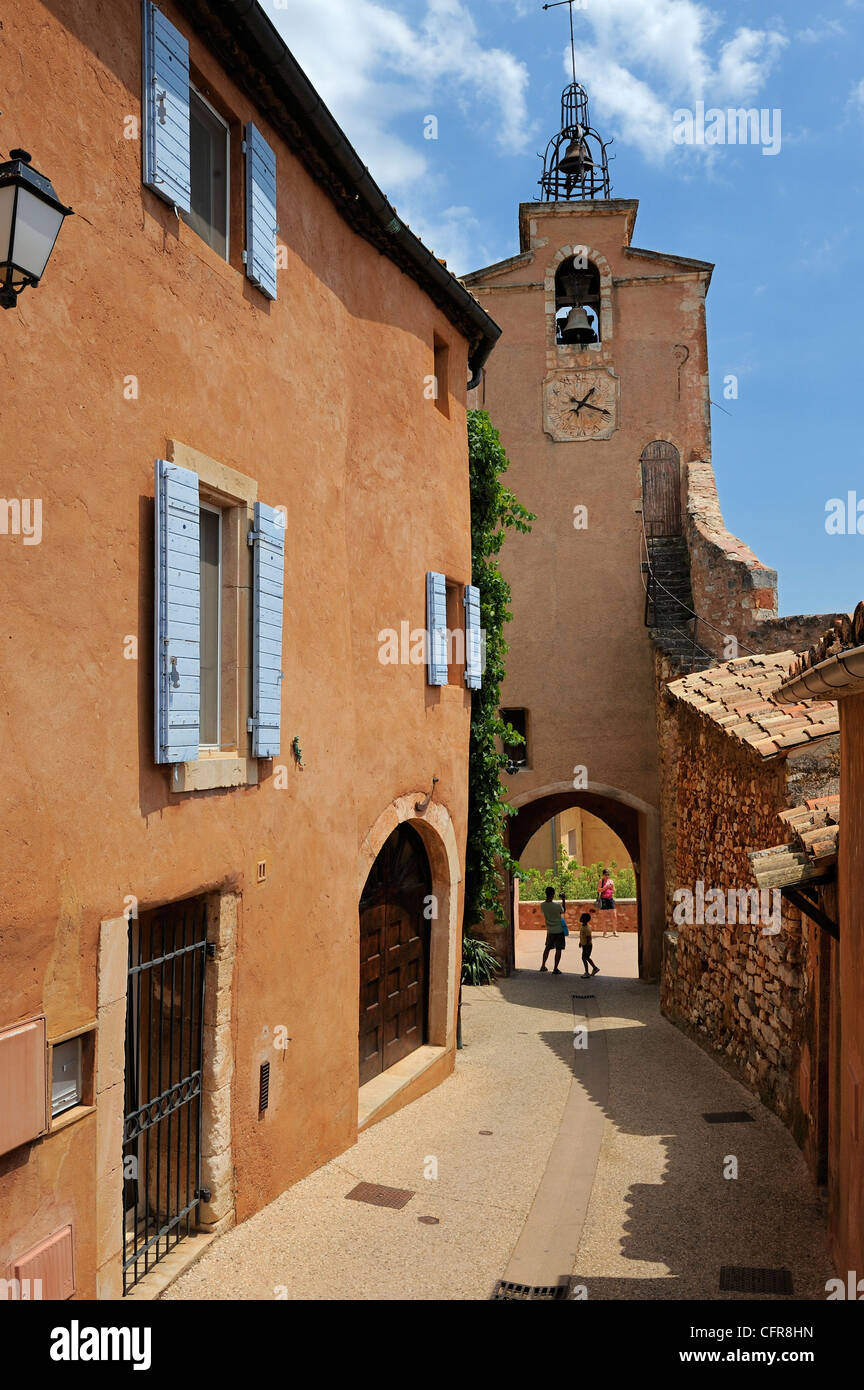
(785, 306)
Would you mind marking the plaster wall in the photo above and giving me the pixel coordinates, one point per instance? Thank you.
(320, 397)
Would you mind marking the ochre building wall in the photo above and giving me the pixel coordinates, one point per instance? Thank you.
(320, 397)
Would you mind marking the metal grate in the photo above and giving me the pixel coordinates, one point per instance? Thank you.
(164, 1047)
(728, 1117)
(264, 1087)
(583, 996)
(743, 1279)
(379, 1196)
(547, 1293)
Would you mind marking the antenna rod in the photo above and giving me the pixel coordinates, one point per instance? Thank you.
(553, 5)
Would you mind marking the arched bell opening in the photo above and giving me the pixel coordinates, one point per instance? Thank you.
(577, 303)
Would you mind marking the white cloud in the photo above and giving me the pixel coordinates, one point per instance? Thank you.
(372, 67)
(648, 58)
(825, 29)
(856, 96)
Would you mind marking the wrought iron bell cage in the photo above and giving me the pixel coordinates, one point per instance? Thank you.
(579, 149)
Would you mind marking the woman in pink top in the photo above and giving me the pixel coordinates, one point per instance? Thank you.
(606, 894)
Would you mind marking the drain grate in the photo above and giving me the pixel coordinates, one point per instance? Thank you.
(742, 1279)
(729, 1117)
(545, 1292)
(583, 996)
(379, 1196)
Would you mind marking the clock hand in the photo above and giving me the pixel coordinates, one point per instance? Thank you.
(579, 404)
(599, 408)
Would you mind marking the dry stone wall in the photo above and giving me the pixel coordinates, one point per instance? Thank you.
(735, 990)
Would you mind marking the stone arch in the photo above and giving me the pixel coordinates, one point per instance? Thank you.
(596, 258)
(634, 820)
(435, 829)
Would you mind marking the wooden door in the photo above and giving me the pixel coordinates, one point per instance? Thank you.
(661, 489)
(394, 954)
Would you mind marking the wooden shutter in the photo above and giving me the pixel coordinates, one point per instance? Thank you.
(178, 615)
(436, 627)
(261, 227)
(268, 569)
(165, 108)
(473, 638)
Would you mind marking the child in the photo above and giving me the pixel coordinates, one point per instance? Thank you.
(585, 941)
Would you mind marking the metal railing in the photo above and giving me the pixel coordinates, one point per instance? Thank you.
(651, 588)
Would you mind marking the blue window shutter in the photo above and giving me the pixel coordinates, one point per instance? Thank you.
(166, 109)
(436, 627)
(268, 581)
(473, 638)
(261, 228)
(178, 615)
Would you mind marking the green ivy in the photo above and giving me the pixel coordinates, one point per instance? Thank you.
(494, 511)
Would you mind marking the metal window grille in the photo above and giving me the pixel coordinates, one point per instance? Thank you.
(164, 1043)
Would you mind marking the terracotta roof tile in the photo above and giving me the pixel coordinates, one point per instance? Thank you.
(738, 698)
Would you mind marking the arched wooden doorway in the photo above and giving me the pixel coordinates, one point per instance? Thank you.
(661, 489)
(394, 953)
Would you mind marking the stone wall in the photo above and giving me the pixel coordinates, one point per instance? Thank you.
(531, 916)
(738, 992)
(732, 589)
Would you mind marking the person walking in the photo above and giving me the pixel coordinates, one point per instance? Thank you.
(586, 942)
(556, 936)
(606, 900)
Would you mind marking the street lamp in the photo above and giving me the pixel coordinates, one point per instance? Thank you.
(31, 216)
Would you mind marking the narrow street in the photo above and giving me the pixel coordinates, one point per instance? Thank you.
(551, 1160)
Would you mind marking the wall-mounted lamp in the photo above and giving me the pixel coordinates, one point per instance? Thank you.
(31, 216)
(421, 806)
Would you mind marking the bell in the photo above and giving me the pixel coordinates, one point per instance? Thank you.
(578, 328)
(577, 161)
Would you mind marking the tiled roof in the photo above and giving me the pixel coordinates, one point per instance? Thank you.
(738, 697)
(812, 851)
(846, 633)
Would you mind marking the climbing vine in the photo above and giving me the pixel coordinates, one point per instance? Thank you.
(494, 511)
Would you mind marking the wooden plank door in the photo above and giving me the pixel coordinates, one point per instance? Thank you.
(661, 489)
(394, 954)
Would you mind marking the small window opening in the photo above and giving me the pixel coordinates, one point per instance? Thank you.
(211, 624)
(577, 304)
(209, 154)
(442, 376)
(67, 1079)
(516, 753)
(455, 635)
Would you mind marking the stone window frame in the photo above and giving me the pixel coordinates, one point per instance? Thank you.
(235, 494)
(565, 354)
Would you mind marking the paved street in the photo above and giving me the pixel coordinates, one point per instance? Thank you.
(597, 1163)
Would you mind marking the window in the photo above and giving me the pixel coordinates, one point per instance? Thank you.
(209, 177)
(186, 148)
(220, 557)
(577, 303)
(210, 542)
(517, 753)
(442, 376)
(65, 1075)
(455, 634)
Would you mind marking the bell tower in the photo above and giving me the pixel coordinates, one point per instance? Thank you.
(599, 390)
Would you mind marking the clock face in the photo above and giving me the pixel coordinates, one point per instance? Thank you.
(581, 405)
